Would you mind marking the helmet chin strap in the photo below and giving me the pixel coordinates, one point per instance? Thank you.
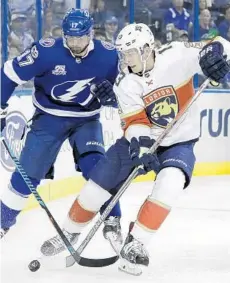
(144, 61)
(85, 49)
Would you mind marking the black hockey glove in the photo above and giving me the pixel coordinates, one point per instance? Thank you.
(212, 61)
(146, 161)
(3, 114)
(104, 92)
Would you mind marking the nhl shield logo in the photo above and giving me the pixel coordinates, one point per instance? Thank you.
(15, 126)
(161, 106)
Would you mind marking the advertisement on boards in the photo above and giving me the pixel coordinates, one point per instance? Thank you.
(212, 150)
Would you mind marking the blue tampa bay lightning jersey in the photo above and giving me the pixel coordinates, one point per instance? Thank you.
(62, 82)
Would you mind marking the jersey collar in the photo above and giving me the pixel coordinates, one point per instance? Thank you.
(90, 48)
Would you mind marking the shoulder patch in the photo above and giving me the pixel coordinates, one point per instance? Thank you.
(107, 45)
(47, 42)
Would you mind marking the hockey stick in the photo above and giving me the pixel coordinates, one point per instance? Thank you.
(75, 256)
(70, 261)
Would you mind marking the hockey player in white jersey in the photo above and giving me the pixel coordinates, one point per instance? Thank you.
(150, 94)
(151, 90)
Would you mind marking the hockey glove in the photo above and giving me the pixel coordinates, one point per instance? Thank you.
(90, 103)
(104, 92)
(213, 62)
(146, 161)
(3, 114)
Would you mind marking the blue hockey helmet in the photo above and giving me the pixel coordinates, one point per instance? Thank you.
(77, 22)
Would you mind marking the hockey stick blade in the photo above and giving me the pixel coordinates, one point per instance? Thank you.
(90, 262)
(74, 254)
(60, 262)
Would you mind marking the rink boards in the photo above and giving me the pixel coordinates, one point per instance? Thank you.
(212, 151)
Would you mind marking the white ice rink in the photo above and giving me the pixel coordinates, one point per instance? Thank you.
(193, 245)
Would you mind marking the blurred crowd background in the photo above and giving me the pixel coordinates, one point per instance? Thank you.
(170, 20)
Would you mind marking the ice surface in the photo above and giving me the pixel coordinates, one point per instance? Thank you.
(192, 246)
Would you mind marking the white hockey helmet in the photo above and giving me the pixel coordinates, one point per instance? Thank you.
(134, 36)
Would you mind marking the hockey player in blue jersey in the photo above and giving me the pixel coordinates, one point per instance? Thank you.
(73, 78)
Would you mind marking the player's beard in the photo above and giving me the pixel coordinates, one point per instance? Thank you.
(76, 47)
(78, 51)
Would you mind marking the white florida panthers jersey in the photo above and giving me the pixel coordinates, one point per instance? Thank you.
(148, 103)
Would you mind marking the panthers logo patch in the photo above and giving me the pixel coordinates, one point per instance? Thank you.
(161, 106)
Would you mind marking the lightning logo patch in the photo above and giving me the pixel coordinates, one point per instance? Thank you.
(68, 91)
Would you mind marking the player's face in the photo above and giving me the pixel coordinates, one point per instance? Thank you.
(78, 45)
(131, 58)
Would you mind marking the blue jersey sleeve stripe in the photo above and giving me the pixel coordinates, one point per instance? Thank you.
(11, 74)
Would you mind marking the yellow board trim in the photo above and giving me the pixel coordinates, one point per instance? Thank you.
(61, 188)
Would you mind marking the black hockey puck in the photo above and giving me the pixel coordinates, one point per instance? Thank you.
(34, 265)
